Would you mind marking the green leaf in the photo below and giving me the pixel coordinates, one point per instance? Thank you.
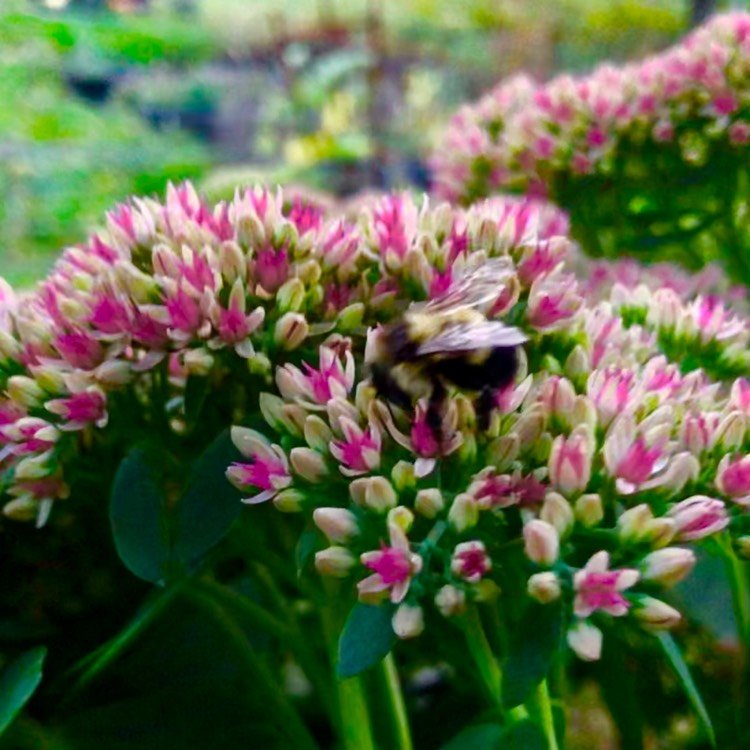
(210, 504)
(306, 546)
(196, 392)
(674, 656)
(523, 735)
(479, 737)
(367, 638)
(137, 517)
(18, 681)
(535, 640)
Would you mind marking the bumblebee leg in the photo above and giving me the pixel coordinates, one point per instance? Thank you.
(435, 409)
(483, 407)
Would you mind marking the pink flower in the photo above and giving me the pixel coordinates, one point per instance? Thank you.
(234, 326)
(271, 269)
(613, 390)
(739, 397)
(569, 462)
(184, 311)
(698, 517)
(268, 470)
(79, 349)
(630, 458)
(598, 588)
(393, 221)
(80, 409)
(109, 314)
(393, 567)
(540, 259)
(714, 321)
(553, 300)
(332, 379)
(492, 490)
(359, 451)
(470, 561)
(733, 478)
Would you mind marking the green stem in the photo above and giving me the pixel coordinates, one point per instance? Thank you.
(737, 577)
(543, 707)
(484, 658)
(396, 707)
(355, 730)
(100, 659)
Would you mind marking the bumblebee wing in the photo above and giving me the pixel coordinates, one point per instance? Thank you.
(475, 287)
(469, 337)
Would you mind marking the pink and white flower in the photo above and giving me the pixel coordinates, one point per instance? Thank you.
(599, 589)
(268, 470)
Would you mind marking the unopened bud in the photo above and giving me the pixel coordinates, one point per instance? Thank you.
(336, 562)
(309, 464)
(556, 511)
(450, 601)
(198, 362)
(402, 476)
(668, 566)
(544, 587)
(290, 296)
(503, 451)
(317, 433)
(259, 364)
(408, 621)
(25, 391)
(291, 330)
(351, 317)
(464, 512)
(589, 510)
(400, 517)
(34, 467)
(743, 546)
(338, 524)
(541, 542)
(730, 434)
(656, 614)
(586, 641)
(50, 379)
(429, 502)
(633, 524)
(288, 501)
(578, 363)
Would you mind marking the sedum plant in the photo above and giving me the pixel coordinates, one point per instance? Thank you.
(649, 157)
(620, 447)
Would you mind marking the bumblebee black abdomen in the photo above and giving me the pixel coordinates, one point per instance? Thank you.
(400, 345)
(496, 371)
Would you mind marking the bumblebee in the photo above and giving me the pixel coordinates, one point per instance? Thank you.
(448, 341)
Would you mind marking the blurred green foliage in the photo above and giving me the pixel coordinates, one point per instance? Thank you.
(63, 161)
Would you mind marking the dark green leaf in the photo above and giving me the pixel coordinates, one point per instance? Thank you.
(620, 690)
(524, 735)
(535, 640)
(306, 545)
(210, 504)
(683, 673)
(137, 517)
(479, 737)
(367, 638)
(18, 681)
(196, 391)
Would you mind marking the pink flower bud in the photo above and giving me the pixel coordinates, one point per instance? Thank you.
(308, 464)
(667, 566)
(541, 542)
(698, 517)
(470, 561)
(338, 524)
(569, 462)
(733, 478)
(656, 614)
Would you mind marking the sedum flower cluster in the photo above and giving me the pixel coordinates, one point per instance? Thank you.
(167, 295)
(623, 440)
(601, 465)
(686, 101)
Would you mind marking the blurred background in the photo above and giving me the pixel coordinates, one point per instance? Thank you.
(104, 98)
